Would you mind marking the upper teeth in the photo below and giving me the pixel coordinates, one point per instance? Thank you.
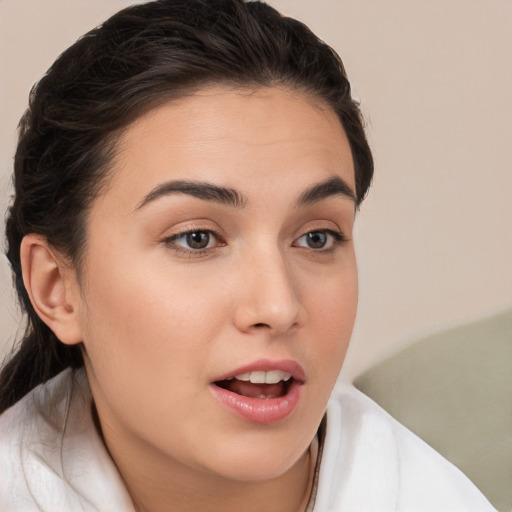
(272, 377)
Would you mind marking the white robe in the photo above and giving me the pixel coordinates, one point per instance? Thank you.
(53, 460)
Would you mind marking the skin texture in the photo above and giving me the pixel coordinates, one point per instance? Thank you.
(160, 321)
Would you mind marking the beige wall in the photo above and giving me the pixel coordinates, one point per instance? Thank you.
(434, 237)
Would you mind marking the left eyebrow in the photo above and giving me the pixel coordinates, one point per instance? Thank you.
(333, 186)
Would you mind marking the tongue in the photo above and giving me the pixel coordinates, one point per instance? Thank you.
(256, 390)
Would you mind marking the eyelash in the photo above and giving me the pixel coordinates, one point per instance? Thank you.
(171, 242)
(337, 239)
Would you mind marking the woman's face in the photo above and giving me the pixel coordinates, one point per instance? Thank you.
(221, 249)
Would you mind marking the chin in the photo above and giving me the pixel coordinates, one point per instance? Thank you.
(262, 457)
(256, 470)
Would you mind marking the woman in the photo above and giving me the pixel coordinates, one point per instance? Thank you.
(186, 182)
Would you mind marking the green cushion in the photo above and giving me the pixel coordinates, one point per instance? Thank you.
(454, 390)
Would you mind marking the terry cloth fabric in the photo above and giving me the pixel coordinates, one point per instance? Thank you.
(53, 460)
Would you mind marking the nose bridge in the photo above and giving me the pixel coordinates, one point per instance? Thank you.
(269, 298)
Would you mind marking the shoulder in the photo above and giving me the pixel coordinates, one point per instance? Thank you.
(29, 435)
(51, 455)
(372, 462)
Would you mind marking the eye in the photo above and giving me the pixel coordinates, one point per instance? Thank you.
(197, 239)
(320, 239)
(193, 241)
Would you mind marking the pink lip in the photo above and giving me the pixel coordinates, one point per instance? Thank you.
(262, 410)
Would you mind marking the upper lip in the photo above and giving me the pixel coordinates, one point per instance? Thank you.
(267, 365)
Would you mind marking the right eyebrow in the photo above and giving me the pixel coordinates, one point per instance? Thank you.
(333, 186)
(199, 189)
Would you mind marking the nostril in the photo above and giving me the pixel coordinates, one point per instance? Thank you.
(261, 324)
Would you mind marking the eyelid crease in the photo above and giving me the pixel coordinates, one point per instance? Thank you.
(190, 226)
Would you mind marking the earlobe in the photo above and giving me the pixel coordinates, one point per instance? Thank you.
(52, 288)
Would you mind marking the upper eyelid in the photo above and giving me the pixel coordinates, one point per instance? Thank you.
(192, 230)
(319, 225)
(338, 235)
(206, 225)
(191, 227)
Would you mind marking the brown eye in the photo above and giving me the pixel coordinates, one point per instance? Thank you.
(191, 241)
(198, 239)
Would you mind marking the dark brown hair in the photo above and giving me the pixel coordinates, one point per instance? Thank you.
(141, 57)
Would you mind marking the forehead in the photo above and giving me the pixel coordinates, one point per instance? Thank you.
(245, 139)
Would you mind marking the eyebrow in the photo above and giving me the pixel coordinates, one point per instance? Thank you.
(333, 186)
(231, 197)
(201, 190)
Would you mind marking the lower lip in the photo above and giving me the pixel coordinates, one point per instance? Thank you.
(264, 411)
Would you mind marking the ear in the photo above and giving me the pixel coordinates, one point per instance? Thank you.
(52, 287)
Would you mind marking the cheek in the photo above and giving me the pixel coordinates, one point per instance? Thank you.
(153, 322)
(332, 295)
(331, 313)
(145, 338)
(137, 311)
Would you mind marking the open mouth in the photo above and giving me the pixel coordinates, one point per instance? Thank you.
(259, 384)
(260, 393)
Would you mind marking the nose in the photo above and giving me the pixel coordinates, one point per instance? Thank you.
(268, 298)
